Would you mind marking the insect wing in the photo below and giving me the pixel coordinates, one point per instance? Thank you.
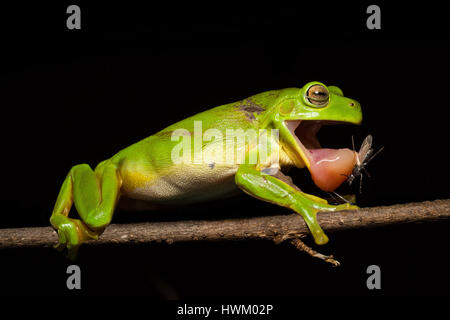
(365, 151)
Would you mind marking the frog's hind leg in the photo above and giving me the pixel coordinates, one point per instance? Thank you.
(95, 195)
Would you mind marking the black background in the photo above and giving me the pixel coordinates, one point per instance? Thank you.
(79, 96)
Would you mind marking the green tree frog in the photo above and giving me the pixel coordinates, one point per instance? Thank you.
(183, 163)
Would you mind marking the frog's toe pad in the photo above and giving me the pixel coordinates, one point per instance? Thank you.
(71, 234)
(320, 237)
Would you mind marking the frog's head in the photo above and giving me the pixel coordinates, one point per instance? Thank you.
(299, 115)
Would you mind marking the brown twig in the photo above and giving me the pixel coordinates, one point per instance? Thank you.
(276, 228)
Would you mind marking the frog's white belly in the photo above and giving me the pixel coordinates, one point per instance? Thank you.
(187, 184)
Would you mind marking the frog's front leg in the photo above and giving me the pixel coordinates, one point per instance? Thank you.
(95, 195)
(280, 190)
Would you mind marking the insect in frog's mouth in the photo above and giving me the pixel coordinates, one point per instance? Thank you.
(328, 167)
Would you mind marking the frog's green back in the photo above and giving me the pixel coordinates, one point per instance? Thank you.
(236, 115)
(239, 114)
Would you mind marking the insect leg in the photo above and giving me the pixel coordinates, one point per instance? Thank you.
(373, 156)
(360, 183)
(341, 197)
(366, 172)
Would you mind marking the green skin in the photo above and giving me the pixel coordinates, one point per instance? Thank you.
(145, 173)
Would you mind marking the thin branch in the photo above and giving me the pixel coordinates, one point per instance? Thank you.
(276, 228)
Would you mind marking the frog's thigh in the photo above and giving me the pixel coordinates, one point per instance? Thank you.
(95, 194)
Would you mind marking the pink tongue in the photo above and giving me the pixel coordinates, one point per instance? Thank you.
(329, 167)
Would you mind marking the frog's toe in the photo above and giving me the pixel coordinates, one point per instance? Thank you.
(61, 241)
(71, 235)
(320, 237)
(72, 252)
(347, 206)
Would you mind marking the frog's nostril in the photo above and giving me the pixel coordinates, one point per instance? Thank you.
(351, 104)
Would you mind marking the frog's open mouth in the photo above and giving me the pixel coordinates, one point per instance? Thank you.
(328, 167)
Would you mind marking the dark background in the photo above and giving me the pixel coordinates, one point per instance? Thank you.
(79, 96)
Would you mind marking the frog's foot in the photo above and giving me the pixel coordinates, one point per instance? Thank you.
(311, 206)
(71, 234)
(94, 195)
(308, 206)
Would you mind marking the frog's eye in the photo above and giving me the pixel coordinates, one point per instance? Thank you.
(318, 95)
